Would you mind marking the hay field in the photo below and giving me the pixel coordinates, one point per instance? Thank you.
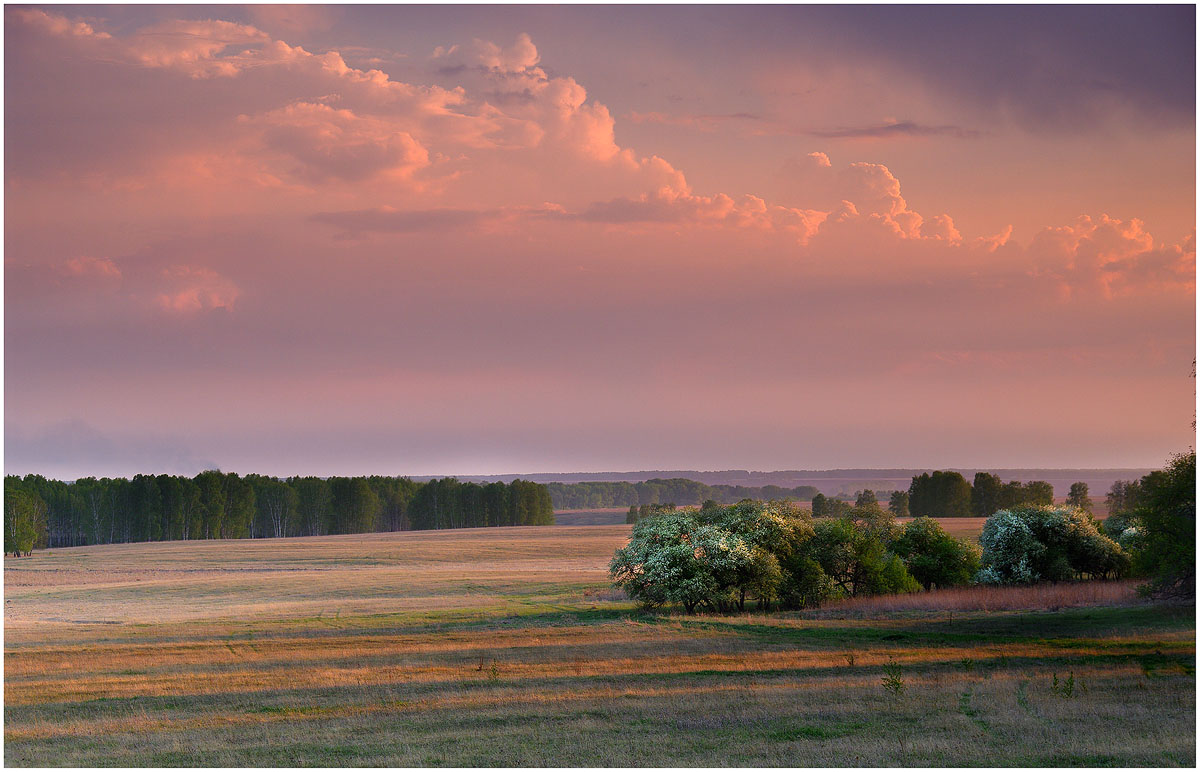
(506, 647)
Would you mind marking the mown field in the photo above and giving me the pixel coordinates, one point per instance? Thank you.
(506, 647)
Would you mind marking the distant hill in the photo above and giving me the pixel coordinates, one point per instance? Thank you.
(832, 482)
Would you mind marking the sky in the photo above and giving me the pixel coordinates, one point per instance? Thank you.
(484, 239)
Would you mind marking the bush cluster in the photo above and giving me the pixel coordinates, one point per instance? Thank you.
(717, 558)
(1030, 544)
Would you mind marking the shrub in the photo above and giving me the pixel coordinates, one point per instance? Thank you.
(934, 557)
(856, 561)
(717, 558)
(1045, 543)
(806, 585)
(766, 526)
(1009, 550)
(675, 557)
(1131, 539)
(1115, 525)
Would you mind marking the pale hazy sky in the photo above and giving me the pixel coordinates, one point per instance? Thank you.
(428, 240)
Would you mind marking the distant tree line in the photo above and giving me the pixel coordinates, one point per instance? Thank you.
(948, 494)
(215, 505)
(936, 494)
(678, 490)
(716, 558)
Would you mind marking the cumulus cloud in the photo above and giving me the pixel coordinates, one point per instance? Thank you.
(201, 49)
(197, 48)
(520, 58)
(494, 119)
(859, 194)
(190, 289)
(95, 285)
(718, 210)
(89, 267)
(337, 143)
(57, 24)
(77, 275)
(1112, 256)
(498, 99)
(995, 241)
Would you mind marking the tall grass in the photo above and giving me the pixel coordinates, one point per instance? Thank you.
(1038, 597)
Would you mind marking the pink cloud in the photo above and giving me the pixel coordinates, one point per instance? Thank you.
(337, 143)
(995, 241)
(521, 56)
(191, 289)
(86, 267)
(201, 49)
(860, 191)
(1112, 256)
(502, 128)
(57, 24)
(77, 276)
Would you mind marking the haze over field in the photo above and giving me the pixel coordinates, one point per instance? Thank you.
(419, 240)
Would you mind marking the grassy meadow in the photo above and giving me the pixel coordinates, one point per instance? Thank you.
(507, 647)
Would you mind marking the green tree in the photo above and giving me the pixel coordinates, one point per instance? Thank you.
(876, 521)
(1123, 497)
(275, 502)
(820, 505)
(674, 559)
(898, 503)
(495, 502)
(1167, 521)
(211, 485)
(941, 494)
(146, 507)
(314, 505)
(837, 508)
(855, 561)
(1038, 492)
(933, 557)
(865, 498)
(395, 494)
(985, 494)
(24, 520)
(1012, 494)
(354, 505)
(239, 508)
(1035, 543)
(1078, 497)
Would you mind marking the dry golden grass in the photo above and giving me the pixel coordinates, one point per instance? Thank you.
(507, 647)
(362, 574)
